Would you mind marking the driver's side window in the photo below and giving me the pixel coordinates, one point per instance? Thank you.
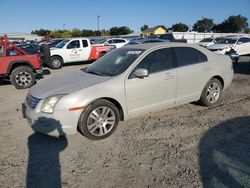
(73, 44)
(156, 61)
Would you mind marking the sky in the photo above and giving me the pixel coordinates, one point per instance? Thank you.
(28, 15)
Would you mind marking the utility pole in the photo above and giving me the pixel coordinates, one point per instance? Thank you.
(63, 26)
(98, 24)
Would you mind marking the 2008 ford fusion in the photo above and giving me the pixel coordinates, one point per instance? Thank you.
(125, 83)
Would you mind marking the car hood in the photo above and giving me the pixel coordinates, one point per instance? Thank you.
(205, 43)
(218, 46)
(66, 83)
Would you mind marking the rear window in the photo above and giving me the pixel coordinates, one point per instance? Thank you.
(84, 43)
(189, 56)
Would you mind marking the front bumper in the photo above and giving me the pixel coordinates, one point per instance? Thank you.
(61, 122)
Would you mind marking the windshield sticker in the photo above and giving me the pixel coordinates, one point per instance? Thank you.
(134, 52)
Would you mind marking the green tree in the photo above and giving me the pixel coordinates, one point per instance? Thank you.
(76, 33)
(87, 33)
(105, 32)
(41, 32)
(124, 30)
(144, 27)
(66, 34)
(56, 33)
(203, 25)
(247, 31)
(180, 27)
(233, 24)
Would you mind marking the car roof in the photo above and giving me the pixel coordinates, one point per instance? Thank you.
(146, 46)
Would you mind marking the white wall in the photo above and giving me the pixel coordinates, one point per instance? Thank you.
(193, 37)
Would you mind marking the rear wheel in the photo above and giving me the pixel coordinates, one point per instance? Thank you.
(55, 62)
(22, 77)
(99, 120)
(211, 92)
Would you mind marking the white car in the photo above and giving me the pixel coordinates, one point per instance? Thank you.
(126, 83)
(208, 41)
(241, 45)
(118, 42)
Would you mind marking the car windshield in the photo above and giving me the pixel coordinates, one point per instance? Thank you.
(207, 40)
(226, 41)
(62, 44)
(115, 62)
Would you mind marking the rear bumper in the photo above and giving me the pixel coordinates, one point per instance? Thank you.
(56, 124)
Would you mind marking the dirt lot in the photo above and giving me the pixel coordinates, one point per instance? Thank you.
(186, 146)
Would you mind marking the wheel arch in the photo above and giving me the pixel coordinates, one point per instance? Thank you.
(18, 63)
(117, 105)
(220, 79)
(56, 55)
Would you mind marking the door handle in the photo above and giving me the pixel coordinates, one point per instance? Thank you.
(79, 50)
(169, 76)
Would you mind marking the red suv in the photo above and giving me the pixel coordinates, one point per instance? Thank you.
(17, 65)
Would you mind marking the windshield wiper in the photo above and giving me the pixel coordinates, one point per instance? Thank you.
(97, 73)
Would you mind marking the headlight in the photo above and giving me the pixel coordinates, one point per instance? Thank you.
(49, 103)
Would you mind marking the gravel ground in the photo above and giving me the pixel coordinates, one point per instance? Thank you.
(185, 146)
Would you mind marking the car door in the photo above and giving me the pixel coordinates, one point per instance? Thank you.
(72, 51)
(85, 50)
(243, 46)
(193, 72)
(156, 91)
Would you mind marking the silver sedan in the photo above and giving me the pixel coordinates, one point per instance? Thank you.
(126, 83)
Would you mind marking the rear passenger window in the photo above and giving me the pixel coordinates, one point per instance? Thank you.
(156, 61)
(118, 41)
(84, 43)
(189, 56)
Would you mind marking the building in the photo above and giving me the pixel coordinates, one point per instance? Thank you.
(21, 36)
(153, 31)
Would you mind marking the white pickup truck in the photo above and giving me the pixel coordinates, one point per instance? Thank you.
(75, 50)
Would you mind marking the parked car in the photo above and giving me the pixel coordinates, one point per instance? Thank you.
(241, 45)
(126, 83)
(143, 41)
(170, 37)
(118, 42)
(208, 41)
(18, 66)
(30, 48)
(54, 42)
(76, 50)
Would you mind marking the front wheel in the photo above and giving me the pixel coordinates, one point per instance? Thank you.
(22, 77)
(55, 62)
(99, 120)
(211, 93)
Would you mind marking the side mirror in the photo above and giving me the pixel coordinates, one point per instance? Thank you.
(240, 43)
(141, 73)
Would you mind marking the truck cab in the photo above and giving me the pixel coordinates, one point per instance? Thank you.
(75, 50)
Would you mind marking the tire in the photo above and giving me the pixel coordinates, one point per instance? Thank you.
(93, 121)
(211, 93)
(22, 77)
(55, 62)
(45, 54)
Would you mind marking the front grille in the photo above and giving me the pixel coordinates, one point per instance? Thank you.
(32, 101)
